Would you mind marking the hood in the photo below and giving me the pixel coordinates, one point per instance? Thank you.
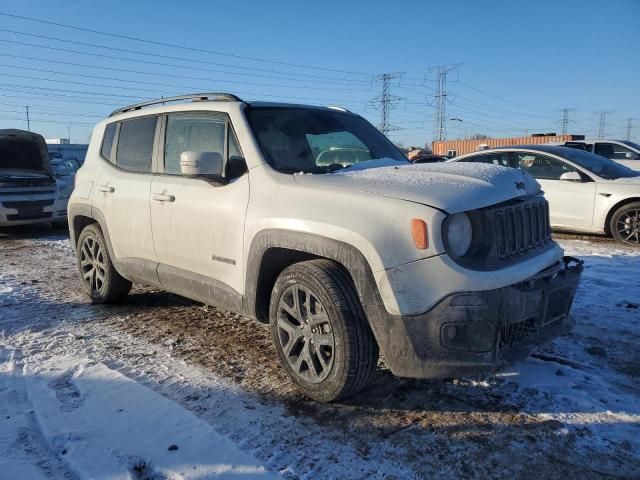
(23, 154)
(451, 187)
(624, 181)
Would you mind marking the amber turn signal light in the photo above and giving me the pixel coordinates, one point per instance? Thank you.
(419, 233)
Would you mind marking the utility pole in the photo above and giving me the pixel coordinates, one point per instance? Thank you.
(629, 127)
(69, 133)
(564, 121)
(603, 122)
(28, 123)
(385, 101)
(440, 101)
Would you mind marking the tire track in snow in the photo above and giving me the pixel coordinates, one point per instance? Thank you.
(22, 443)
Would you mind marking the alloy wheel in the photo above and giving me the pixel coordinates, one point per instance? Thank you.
(92, 264)
(628, 226)
(305, 333)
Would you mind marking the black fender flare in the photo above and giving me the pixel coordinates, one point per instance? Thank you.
(313, 246)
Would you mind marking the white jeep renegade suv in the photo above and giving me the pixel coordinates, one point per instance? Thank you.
(310, 219)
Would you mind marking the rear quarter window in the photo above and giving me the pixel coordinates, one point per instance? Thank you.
(107, 141)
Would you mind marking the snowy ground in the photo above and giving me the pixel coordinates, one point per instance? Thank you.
(165, 388)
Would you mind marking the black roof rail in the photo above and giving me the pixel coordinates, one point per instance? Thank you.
(195, 97)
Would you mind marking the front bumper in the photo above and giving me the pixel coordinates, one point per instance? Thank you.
(476, 332)
(28, 210)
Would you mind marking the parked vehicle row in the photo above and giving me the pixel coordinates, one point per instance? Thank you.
(310, 219)
(586, 192)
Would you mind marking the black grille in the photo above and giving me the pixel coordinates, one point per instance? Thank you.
(521, 227)
(514, 333)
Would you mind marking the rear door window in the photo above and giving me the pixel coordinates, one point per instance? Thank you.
(135, 144)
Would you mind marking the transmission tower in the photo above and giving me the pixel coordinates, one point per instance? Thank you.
(603, 122)
(440, 101)
(564, 120)
(629, 127)
(385, 101)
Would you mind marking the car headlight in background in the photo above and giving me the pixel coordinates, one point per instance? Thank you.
(458, 234)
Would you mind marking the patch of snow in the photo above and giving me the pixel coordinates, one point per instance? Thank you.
(586, 386)
(108, 426)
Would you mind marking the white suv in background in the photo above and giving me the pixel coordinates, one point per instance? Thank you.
(448, 269)
(622, 151)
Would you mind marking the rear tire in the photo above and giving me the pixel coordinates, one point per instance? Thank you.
(320, 332)
(99, 277)
(625, 224)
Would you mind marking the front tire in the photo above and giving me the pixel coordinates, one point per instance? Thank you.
(625, 224)
(320, 332)
(99, 277)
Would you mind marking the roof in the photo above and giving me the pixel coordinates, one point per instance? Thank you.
(215, 97)
(543, 147)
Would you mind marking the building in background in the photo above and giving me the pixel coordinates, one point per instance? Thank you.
(453, 148)
(61, 148)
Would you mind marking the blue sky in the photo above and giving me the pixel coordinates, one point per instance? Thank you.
(521, 61)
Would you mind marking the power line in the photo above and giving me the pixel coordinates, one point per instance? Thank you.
(181, 76)
(183, 59)
(498, 97)
(37, 120)
(385, 101)
(183, 47)
(163, 84)
(149, 62)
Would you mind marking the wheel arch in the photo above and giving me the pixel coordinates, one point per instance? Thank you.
(272, 251)
(614, 209)
(81, 215)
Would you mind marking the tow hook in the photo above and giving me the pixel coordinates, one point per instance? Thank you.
(572, 263)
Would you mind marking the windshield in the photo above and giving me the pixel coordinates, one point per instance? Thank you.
(603, 167)
(310, 140)
(631, 144)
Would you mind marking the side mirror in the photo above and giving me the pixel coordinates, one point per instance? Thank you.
(631, 156)
(202, 164)
(571, 177)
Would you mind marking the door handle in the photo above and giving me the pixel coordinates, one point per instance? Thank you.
(106, 188)
(161, 197)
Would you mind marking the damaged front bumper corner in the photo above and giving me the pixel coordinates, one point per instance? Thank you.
(477, 332)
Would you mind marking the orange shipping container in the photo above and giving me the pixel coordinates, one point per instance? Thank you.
(454, 148)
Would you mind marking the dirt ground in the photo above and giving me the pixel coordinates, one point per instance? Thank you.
(397, 428)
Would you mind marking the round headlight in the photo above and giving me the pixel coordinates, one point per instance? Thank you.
(458, 234)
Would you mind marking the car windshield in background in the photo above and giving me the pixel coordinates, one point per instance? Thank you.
(603, 167)
(314, 140)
